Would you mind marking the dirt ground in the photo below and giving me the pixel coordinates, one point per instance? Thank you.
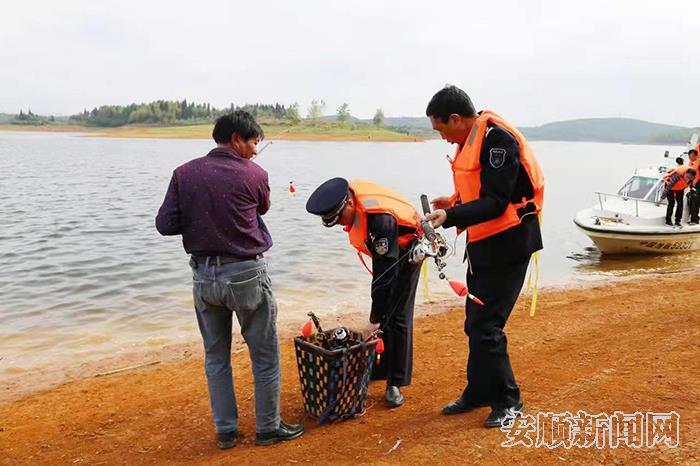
(628, 346)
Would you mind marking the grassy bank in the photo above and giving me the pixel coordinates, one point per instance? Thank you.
(305, 131)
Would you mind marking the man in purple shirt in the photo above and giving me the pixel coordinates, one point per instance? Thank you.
(216, 203)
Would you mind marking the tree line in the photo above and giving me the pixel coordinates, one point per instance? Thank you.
(173, 112)
(170, 112)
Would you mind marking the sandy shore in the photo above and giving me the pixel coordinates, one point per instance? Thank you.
(629, 346)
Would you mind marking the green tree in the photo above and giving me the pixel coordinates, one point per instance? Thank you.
(316, 109)
(343, 113)
(378, 119)
(292, 113)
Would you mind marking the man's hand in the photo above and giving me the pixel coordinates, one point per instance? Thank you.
(369, 329)
(442, 202)
(436, 217)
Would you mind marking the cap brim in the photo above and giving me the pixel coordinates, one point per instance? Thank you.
(331, 219)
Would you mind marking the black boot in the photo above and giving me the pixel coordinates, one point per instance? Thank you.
(226, 440)
(394, 397)
(284, 432)
(499, 415)
(461, 405)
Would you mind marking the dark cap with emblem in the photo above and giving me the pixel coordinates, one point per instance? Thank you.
(328, 200)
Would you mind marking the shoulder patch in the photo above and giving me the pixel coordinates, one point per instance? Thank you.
(381, 246)
(497, 157)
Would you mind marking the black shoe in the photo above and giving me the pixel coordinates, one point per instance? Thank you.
(460, 405)
(668, 222)
(678, 224)
(284, 432)
(500, 415)
(394, 397)
(226, 440)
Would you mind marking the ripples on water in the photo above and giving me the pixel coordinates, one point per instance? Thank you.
(85, 273)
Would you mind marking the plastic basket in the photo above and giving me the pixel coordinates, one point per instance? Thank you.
(334, 382)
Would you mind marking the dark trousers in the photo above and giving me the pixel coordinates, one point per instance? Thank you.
(694, 206)
(490, 379)
(675, 197)
(396, 364)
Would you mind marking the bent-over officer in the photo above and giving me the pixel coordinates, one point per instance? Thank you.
(498, 194)
(383, 225)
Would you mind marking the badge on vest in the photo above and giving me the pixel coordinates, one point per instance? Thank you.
(497, 157)
(381, 246)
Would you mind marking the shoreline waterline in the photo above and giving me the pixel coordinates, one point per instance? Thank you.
(21, 382)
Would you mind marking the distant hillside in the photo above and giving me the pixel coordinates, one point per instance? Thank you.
(621, 130)
(624, 130)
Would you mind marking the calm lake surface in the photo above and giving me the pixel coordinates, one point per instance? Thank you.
(85, 274)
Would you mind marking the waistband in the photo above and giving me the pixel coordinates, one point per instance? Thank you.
(221, 260)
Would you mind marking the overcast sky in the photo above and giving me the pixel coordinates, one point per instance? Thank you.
(531, 61)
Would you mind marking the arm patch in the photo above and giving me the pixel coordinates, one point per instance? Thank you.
(497, 157)
(381, 246)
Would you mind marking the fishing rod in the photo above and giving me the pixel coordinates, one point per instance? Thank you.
(431, 244)
(269, 143)
(434, 245)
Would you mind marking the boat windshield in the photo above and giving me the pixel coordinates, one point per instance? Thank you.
(638, 187)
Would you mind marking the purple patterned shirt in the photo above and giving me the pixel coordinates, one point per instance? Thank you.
(216, 203)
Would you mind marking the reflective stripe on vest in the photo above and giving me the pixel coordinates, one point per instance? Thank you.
(466, 172)
(371, 198)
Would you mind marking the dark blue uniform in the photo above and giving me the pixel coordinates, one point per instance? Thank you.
(498, 267)
(394, 280)
(393, 298)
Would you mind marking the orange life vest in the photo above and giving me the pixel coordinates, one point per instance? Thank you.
(466, 172)
(681, 184)
(371, 198)
(695, 166)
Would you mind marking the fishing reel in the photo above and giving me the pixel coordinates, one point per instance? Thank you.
(431, 243)
(437, 249)
(340, 338)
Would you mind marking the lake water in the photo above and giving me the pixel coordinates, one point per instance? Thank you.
(85, 274)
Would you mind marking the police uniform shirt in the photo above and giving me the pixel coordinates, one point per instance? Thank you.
(502, 182)
(383, 243)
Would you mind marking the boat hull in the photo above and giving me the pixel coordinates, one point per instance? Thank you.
(615, 242)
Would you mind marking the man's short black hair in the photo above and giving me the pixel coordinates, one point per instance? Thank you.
(692, 151)
(448, 100)
(691, 172)
(238, 121)
(680, 161)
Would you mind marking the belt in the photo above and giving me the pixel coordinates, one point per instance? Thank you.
(220, 260)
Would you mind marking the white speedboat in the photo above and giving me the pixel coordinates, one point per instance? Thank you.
(632, 221)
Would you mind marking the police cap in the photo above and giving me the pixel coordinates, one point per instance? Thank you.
(328, 200)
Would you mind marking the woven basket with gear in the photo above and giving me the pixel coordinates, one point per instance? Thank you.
(334, 381)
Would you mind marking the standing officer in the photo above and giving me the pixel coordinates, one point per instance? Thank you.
(676, 182)
(499, 190)
(693, 195)
(381, 224)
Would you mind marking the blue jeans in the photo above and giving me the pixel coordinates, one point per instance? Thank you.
(243, 288)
